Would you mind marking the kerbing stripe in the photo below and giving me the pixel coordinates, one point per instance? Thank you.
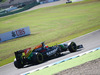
(61, 61)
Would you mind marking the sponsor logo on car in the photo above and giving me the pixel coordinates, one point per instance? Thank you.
(51, 52)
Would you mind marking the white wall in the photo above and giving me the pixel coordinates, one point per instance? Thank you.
(14, 34)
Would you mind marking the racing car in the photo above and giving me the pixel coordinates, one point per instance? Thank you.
(68, 1)
(42, 53)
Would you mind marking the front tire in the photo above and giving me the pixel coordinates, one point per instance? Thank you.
(72, 47)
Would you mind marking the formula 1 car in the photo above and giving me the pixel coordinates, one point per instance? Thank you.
(41, 53)
(68, 1)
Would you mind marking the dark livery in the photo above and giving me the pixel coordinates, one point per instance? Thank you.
(41, 53)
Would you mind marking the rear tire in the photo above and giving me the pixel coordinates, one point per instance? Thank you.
(18, 64)
(72, 47)
(37, 58)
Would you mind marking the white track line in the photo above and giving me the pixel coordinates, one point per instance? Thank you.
(61, 61)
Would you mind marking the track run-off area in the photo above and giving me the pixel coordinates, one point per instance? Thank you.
(89, 41)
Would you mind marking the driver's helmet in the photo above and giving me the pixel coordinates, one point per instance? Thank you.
(46, 46)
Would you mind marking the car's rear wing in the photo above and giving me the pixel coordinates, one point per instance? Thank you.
(18, 54)
(22, 53)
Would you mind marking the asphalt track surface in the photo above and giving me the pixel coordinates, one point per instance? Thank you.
(51, 4)
(89, 41)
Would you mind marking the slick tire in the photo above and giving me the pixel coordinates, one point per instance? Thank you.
(38, 58)
(72, 47)
(18, 64)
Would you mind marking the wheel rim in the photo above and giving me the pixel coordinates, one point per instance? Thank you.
(40, 58)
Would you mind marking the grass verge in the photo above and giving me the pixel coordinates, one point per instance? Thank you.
(68, 64)
(53, 25)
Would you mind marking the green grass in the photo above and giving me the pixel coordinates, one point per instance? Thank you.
(53, 25)
(68, 64)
